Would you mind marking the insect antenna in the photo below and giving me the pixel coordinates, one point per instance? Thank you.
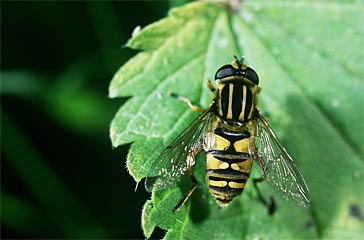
(239, 61)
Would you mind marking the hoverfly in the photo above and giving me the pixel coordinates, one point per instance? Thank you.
(232, 133)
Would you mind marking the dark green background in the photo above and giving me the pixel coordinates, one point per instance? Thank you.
(60, 178)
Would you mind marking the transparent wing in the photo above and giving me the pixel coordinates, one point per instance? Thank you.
(279, 169)
(172, 164)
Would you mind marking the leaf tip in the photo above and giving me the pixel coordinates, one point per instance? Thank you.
(147, 225)
(113, 134)
(136, 31)
(136, 186)
(113, 93)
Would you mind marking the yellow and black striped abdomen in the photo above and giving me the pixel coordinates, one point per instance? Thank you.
(228, 166)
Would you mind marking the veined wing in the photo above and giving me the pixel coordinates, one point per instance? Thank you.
(172, 163)
(279, 169)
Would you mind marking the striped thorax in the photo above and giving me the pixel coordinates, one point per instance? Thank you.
(235, 98)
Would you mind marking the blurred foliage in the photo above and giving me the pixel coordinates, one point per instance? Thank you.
(60, 177)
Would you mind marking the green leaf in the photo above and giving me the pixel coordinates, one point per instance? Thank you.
(311, 73)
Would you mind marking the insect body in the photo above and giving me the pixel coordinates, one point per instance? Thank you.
(228, 161)
(232, 133)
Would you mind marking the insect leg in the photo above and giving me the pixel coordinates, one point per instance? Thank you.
(188, 195)
(190, 162)
(270, 204)
(257, 90)
(187, 101)
(210, 86)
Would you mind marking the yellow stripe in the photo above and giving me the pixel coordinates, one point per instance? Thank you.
(236, 185)
(253, 107)
(214, 163)
(242, 145)
(241, 116)
(224, 165)
(243, 167)
(217, 183)
(220, 87)
(221, 143)
(235, 166)
(241, 78)
(230, 107)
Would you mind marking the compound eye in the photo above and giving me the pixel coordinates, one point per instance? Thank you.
(251, 75)
(225, 71)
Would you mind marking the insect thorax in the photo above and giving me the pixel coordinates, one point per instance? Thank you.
(235, 101)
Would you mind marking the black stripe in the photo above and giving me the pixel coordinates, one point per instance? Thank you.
(216, 178)
(228, 190)
(224, 195)
(243, 180)
(248, 104)
(234, 157)
(232, 136)
(237, 180)
(224, 101)
(228, 173)
(237, 101)
(224, 201)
